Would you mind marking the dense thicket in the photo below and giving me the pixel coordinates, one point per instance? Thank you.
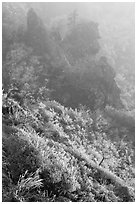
(82, 150)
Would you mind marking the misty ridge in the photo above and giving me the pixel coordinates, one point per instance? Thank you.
(68, 102)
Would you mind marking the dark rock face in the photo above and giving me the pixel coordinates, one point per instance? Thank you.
(90, 81)
(94, 87)
(37, 36)
(82, 41)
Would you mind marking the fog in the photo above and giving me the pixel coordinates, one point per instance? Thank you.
(89, 10)
(115, 20)
(100, 12)
(68, 102)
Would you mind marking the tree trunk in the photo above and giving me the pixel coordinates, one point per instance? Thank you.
(122, 190)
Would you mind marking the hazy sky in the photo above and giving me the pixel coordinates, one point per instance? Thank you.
(87, 9)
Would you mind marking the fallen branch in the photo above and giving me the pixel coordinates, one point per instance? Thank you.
(122, 189)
